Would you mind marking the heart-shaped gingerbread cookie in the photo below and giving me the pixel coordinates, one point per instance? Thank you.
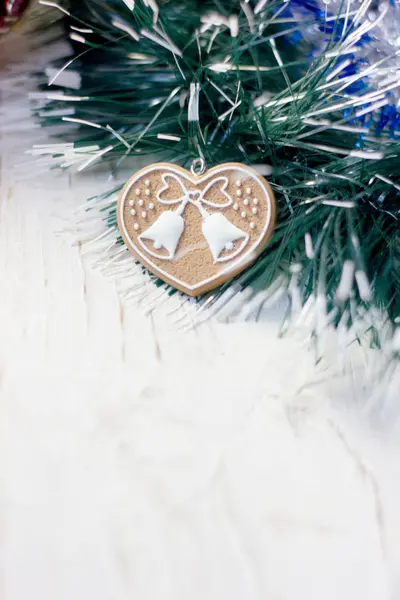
(196, 231)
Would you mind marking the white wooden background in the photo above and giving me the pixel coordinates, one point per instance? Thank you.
(140, 461)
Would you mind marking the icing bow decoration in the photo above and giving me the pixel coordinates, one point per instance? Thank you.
(219, 232)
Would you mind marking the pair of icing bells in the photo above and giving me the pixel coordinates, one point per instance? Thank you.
(218, 231)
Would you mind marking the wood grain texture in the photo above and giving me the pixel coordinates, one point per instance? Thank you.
(140, 461)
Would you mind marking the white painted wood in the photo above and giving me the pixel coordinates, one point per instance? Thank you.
(140, 461)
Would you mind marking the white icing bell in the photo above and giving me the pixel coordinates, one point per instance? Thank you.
(220, 233)
(165, 232)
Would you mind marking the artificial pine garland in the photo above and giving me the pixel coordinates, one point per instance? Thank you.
(287, 87)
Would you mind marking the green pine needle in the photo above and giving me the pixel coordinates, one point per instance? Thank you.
(262, 101)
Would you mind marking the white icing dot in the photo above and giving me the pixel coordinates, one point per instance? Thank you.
(147, 183)
(229, 246)
(157, 245)
(246, 202)
(236, 206)
(141, 202)
(151, 206)
(254, 211)
(238, 193)
(144, 214)
(131, 203)
(147, 192)
(136, 227)
(243, 214)
(133, 212)
(255, 201)
(137, 191)
(248, 190)
(252, 225)
(238, 183)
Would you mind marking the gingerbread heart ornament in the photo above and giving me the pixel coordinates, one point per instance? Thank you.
(196, 231)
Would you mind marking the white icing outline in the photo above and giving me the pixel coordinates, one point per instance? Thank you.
(187, 194)
(165, 187)
(152, 253)
(247, 171)
(223, 190)
(234, 254)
